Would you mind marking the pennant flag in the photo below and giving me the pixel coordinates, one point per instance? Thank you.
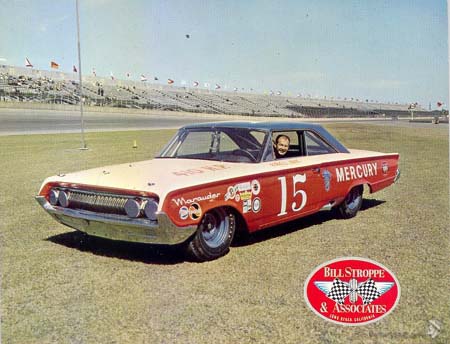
(170, 81)
(27, 62)
(439, 104)
(217, 86)
(195, 84)
(93, 72)
(54, 65)
(74, 69)
(143, 78)
(112, 75)
(156, 78)
(279, 93)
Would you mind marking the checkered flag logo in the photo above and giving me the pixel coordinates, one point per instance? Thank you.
(339, 290)
(368, 291)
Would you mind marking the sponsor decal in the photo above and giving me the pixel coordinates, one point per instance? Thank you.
(256, 205)
(231, 193)
(244, 192)
(243, 187)
(182, 201)
(352, 291)
(184, 212)
(247, 206)
(327, 179)
(195, 211)
(246, 195)
(347, 173)
(256, 187)
(385, 167)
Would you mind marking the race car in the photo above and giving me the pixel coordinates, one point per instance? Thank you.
(214, 179)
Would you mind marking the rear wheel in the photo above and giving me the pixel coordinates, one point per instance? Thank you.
(352, 203)
(214, 235)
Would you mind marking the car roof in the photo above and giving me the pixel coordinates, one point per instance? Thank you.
(269, 125)
(274, 126)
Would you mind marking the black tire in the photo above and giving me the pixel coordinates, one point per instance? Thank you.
(214, 235)
(352, 203)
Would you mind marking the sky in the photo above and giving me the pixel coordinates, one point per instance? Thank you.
(389, 51)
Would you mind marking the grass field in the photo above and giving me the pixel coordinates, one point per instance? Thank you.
(56, 289)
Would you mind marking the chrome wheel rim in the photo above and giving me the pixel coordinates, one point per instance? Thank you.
(214, 228)
(353, 199)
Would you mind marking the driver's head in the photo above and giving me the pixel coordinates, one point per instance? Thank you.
(282, 145)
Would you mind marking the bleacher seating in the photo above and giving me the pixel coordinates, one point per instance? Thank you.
(30, 85)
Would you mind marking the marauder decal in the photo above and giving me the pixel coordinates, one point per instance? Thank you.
(182, 201)
(347, 173)
(352, 291)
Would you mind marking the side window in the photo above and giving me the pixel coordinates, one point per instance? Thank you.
(315, 145)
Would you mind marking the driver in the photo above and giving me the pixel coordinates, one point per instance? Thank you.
(281, 146)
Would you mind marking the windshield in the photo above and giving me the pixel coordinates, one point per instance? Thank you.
(219, 144)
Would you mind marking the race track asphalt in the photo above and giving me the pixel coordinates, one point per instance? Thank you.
(33, 121)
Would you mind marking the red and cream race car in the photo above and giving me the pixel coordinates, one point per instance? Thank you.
(213, 179)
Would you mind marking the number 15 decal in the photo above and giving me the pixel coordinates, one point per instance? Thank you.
(296, 179)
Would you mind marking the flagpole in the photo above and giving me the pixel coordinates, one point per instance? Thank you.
(83, 142)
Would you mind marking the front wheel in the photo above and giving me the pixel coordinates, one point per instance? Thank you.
(352, 203)
(214, 235)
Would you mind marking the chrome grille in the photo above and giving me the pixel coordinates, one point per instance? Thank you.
(98, 202)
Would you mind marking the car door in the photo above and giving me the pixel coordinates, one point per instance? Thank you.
(289, 191)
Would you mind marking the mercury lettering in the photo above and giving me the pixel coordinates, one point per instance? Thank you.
(347, 173)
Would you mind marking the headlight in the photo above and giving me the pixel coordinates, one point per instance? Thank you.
(132, 208)
(150, 208)
(63, 198)
(53, 196)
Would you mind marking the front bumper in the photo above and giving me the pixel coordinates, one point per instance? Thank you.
(117, 227)
(397, 176)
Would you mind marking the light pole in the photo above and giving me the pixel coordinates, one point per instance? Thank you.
(83, 142)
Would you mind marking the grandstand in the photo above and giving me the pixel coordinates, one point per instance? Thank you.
(18, 84)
